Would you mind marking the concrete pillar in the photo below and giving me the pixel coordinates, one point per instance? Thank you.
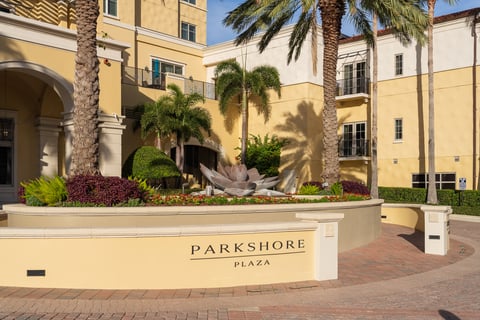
(48, 130)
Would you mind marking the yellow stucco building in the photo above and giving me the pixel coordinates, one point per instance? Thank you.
(145, 45)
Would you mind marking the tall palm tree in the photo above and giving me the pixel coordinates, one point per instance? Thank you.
(404, 25)
(86, 91)
(235, 81)
(432, 186)
(253, 16)
(176, 114)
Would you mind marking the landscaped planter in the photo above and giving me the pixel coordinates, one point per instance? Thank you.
(181, 247)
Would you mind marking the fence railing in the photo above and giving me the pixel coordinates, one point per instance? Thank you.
(353, 86)
(160, 80)
(354, 148)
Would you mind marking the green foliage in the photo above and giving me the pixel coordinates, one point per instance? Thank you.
(309, 189)
(466, 210)
(264, 154)
(447, 197)
(402, 195)
(336, 189)
(146, 189)
(44, 191)
(149, 163)
(470, 198)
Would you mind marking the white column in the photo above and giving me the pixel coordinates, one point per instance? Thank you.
(48, 129)
(110, 144)
(67, 125)
(437, 229)
(326, 243)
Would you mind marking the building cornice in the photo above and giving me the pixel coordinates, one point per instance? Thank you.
(451, 18)
(45, 34)
(169, 38)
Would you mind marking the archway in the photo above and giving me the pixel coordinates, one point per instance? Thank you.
(33, 101)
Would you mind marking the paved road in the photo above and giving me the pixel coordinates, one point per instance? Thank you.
(390, 278)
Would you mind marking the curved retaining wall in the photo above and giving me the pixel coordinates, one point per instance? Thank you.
(180, 247)
(361, 223)
(408, 215)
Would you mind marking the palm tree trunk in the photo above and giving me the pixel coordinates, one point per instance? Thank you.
(179, 154)
(243, 157)
(86, 91)
(432, 188)
(331, 12)
(374, 160)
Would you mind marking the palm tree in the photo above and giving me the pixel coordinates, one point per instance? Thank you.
(432, 187)
(155, 120)
(411, 23)
(235, 81)
(177, 115)
(86, 91)
(253, 16)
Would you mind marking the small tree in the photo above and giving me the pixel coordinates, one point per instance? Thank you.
(264, 154)
(234, 81)
(176, 115)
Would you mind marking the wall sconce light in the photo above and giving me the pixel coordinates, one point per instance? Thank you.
(395, 161)
(107, 62)
(456, 158)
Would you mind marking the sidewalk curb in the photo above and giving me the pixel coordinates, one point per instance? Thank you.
(461, 217)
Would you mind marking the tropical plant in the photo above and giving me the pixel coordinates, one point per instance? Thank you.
(102, 191)
(85, 152)
(405, 23)
(44, 191)
(235, 81)
(309, 189)
(354, 187)
(154, 120)
(176, 114)
(432, 187)
(264, 154)
(253, 16)
(336, 189)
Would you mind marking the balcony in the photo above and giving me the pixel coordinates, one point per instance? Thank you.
(353, 88)
(357, 149)
(160, 80)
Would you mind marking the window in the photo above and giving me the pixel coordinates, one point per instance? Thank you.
(354, 78)
(398, 129)
(398, 64)
(110, 7)
(190, 1)
(188, 31)
(353, 141)
(445, 180)
(160, 68)
(7, 126)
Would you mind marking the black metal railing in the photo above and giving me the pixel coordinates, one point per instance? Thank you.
(159, 80)
(353, 148)
(353, 86)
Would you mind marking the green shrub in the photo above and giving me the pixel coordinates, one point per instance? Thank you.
(309, 189)
(336, 189)
(469, 198)
(264, 154)
(447, 197)
(102, 191)
(44, 191)
(150, 164)
(402, 195)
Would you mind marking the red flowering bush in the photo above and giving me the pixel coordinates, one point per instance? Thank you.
(354, 187)
(99, 190)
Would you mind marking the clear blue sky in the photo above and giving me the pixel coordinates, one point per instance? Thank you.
(217, 10)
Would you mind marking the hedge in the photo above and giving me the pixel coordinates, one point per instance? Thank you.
(464, 198)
